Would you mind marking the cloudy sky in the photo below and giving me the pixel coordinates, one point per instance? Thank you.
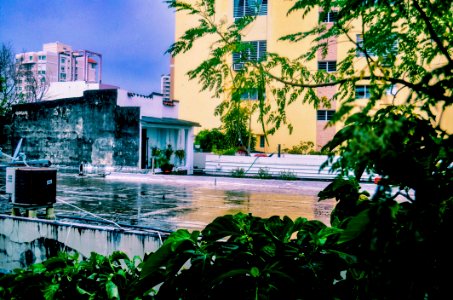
(131, 35)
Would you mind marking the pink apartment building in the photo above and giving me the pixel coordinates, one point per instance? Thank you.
(56, 62)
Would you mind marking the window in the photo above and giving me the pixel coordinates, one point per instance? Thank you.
(42, 57)
(362, 92)
(392, 90)
(330, 17)
(262, 141)
(31, 57)
(328, 66)
(63, 76)
(361, 45)
(325, 115)
(62, 69)
(244, 8)
(63, 60)
(251, 94)
(255, 51)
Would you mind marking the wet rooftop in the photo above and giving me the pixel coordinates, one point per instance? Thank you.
(169, 202)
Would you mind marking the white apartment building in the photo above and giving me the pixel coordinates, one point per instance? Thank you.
(56, 62)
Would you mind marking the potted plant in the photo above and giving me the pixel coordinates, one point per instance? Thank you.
(180, 155)
(164, 159)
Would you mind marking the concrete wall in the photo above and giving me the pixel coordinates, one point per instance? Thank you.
(301, 166)
(25, 241)
(91, 128)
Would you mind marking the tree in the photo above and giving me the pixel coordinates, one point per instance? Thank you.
(8, 79)
(36, 86)
(395, 248)
(235, 123)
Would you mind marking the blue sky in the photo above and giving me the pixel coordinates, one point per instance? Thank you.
(131, 35)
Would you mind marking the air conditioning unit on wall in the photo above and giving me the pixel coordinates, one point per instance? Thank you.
(31, 186)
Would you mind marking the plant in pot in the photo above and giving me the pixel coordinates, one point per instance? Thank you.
(164, 159)
(180, 155)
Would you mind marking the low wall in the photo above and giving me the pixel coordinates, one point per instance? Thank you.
(24, 241)
(301, 166)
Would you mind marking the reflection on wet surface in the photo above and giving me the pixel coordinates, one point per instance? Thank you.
(170, 207)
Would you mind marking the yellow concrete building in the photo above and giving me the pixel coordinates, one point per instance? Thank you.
(271, 23)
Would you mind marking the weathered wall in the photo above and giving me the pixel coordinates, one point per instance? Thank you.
(91, 128)
(25, 241)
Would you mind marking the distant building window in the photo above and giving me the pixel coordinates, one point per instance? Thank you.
(63, 76)
(251, 94)
(31, 57)
(41, 57)
(254, 51)
(63, 60)
(362, 92)
(329, 17)
(244, 8)
(62, 69)
(324, 115)
(328, 66)
(262, 141)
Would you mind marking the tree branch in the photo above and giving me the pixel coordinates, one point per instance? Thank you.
(432, 33)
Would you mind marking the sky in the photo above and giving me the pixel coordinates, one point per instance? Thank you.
(131, 35)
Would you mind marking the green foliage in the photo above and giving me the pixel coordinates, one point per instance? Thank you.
(263, 173)
(229, 151)
(66, 276)
(288, 175)
(238, 173)
(180, 155)
(304, 147)
(389, 245)
(163, 156)
(246, 257)
(393, 242)
(210, 140)
(235, 124)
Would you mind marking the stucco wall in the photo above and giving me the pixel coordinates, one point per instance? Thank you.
(25, 241)
(91, 128)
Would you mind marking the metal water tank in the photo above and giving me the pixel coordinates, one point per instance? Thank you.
(35, 186)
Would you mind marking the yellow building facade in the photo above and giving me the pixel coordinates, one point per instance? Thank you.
(309, 124)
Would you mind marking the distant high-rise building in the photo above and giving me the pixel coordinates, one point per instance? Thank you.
(57, 62)
(165, 86)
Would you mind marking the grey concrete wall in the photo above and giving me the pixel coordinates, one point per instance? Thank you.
(91, 128)
(24, 241)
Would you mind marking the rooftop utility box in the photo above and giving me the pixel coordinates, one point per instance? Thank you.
(33, 186)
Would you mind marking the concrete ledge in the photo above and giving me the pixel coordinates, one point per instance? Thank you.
(24, 241)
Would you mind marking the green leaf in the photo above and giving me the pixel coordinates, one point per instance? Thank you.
(355, 226)
(112, 290)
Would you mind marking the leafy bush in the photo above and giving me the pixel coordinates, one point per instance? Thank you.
(229, 151)
(263, 173)
(239, 172)
(246, 257)
(66, 276)
(211, 139)
(288, 175)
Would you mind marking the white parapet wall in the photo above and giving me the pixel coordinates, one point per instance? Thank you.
(24, 241)
(299, 166)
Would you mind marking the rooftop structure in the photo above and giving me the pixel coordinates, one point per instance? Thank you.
(56, 62)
